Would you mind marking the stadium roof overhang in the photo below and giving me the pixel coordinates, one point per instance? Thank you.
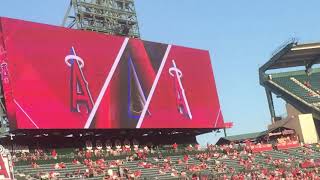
(293, 55)
(290, 55)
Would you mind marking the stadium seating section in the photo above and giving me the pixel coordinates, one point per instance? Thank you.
(234, 161)
(299, 84)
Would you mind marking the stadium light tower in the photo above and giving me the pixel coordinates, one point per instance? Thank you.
(117, 17)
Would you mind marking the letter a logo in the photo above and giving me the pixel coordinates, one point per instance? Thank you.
(3, 169)
(80, 94)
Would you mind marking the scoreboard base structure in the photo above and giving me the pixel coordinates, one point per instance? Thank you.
(77, 138)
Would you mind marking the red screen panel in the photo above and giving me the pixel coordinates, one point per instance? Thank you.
(58, 78)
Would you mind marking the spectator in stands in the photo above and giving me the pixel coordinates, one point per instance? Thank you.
(175, 147)
(197, 147)
(189, 147)
(34, 165)
(75, 162)
(213, 159)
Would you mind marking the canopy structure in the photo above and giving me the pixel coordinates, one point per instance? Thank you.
(293, 55)
(288, 84)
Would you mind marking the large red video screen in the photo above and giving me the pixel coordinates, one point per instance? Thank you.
(59, 78)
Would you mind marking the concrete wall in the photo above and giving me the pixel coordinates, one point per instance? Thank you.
(303, 124)
(308, 129)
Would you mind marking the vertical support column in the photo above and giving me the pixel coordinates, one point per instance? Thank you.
(225, 132)
(271, 106)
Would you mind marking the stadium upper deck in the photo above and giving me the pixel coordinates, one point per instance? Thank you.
(298, 88)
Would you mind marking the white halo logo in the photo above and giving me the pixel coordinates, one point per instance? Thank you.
(183, 106)
(74, 57)
(174, 70)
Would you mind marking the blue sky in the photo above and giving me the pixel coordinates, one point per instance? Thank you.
(240, 35)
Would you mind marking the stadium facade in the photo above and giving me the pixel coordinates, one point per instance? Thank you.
(298, 85)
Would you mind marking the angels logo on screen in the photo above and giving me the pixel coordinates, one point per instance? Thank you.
(137, 99)
(182, 102)
(6, 165)
(80, 93)
(103, 82)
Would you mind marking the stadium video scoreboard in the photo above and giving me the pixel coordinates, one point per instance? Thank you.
(58, 78)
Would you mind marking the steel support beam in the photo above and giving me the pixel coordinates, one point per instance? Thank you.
(271, 105)
(117, 17)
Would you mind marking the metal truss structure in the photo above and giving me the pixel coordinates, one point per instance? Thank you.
(116, 17)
